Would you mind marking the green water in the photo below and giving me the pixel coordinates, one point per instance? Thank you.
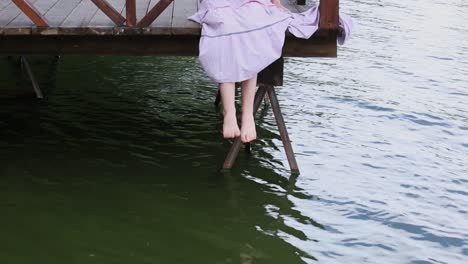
(120, 163)
(107, 170)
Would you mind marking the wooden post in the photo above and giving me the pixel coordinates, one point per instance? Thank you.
(329, 14)
(273, 74)
(110, 12)
(31, 12)
(154, 13)
(282, 129)
(130, 7)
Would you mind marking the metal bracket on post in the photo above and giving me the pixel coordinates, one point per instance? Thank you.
(32, 78)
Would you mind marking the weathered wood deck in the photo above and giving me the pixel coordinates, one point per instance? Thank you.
(81, 27)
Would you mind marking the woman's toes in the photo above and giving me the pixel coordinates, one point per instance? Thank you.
(248, 134)
(237, 133)
(231, 131)
(230, 127)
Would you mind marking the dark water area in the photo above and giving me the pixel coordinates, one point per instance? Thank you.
(120, 163)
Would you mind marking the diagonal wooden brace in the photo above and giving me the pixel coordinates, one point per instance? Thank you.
(283, 130)
(110, 12)
(31, 12)
(154, 13)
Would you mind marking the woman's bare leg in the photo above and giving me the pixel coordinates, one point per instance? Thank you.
(248, 132)
(230, 127)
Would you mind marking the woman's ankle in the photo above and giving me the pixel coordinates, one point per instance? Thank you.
(229, 113)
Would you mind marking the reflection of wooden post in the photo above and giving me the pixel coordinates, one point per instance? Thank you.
(130, 7)
(110, 12)
(329, 14)
(37, 89)
(31, 12)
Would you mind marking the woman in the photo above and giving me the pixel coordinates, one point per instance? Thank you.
(239, 39)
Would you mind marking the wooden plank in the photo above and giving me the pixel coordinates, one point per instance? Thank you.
(163, 24)
(103, 25)
(22, 21)
(180, 24)
(142, 9)
(4, 4)
(31, 12)
(81, 16)
(102, 20)
(112, 11)
(21, 24)
(8, 14)
(130, 7)
(154, 13)
(60, 11)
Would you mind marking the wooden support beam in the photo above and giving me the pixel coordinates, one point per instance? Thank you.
(66, 43)
(154, 13)
(273, 74)
(31, 12)
(131, 12)
(110, 12)
(283, 130)
(329, 14)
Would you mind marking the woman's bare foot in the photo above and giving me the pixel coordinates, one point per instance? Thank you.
(248, 131)
(230, 127)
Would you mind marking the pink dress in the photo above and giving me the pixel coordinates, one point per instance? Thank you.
(240, 38)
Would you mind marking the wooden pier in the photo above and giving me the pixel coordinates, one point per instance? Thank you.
(146, 27)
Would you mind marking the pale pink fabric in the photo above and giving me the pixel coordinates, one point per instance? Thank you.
(242, 37)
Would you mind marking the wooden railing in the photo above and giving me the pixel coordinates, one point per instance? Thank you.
(130, 20)
(329, 13)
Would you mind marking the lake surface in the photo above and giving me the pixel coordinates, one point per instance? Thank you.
(120, 163)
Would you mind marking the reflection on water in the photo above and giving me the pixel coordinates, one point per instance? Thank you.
(120, 164)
